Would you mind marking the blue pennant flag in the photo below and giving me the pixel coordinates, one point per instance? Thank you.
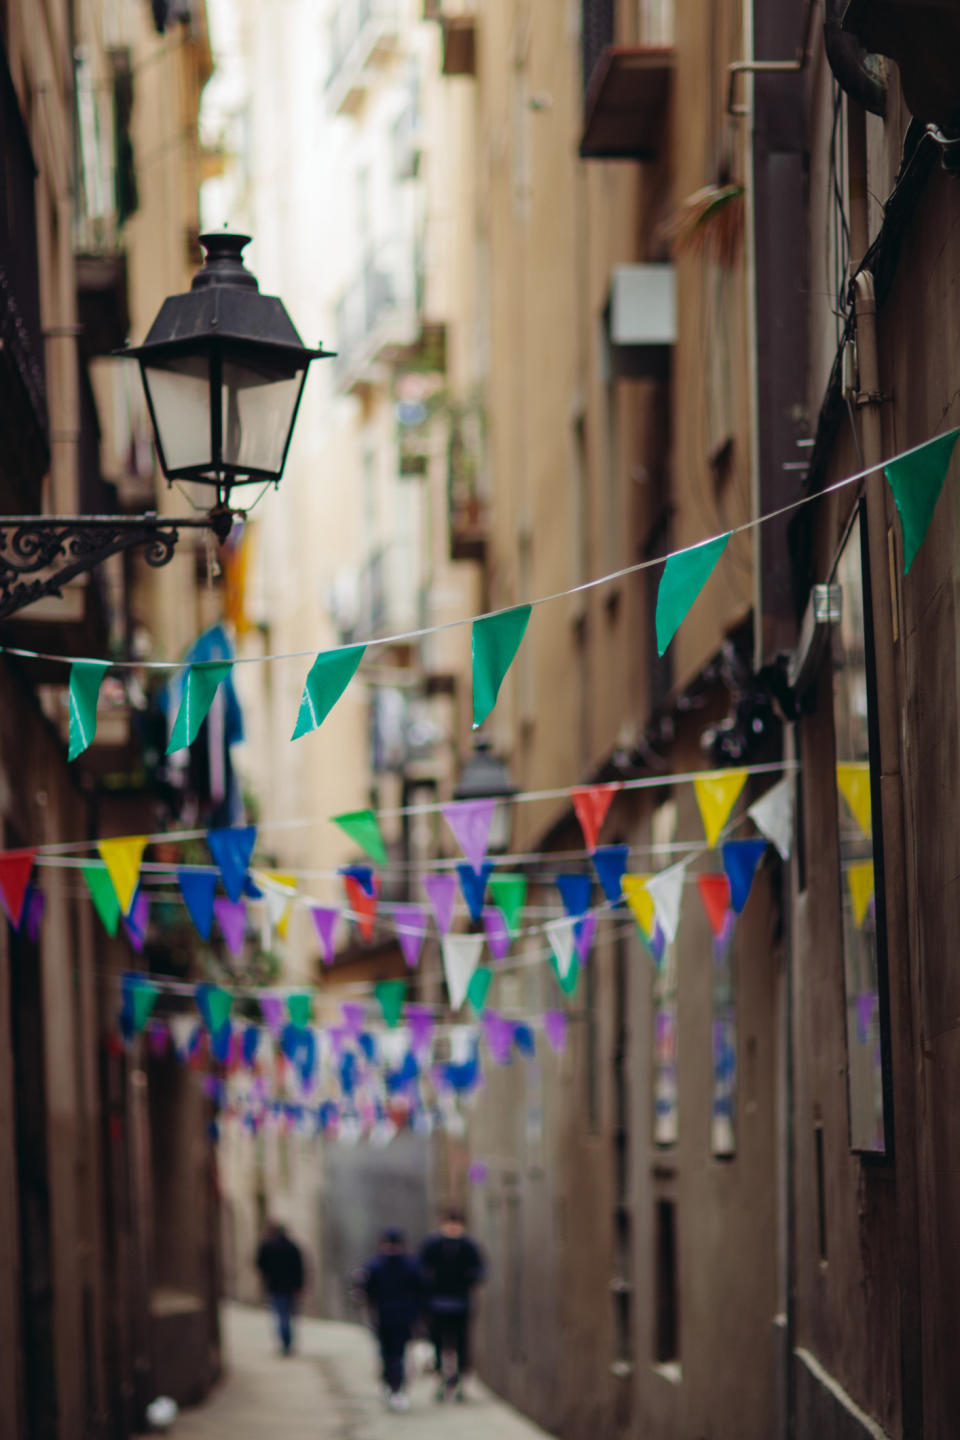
(465, 1077)
(348, 1073)
(300, 1047)
(610, 862)
(740, 861)
(524, 1041)
(363, 874)
(368, 1046)
(231, 850)
(251, 1044)
(220, 1042)
(473, 883)
(197, 889)
(575, 892)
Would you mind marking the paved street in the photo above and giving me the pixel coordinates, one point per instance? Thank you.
(328, 1391)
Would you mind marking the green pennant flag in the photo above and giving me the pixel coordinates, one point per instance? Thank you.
(684, 576)
(86, 677)
(144, 997)
(496, 640)
(329, 676)
(103, 895)
(199, 688)
(214, 1004)
(509, 894)
(568, 983)
(362, 827)
(916, 480)
(391, 994)
(299, 1008)
(478, 988)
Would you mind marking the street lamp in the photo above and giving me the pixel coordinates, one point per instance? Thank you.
(223, 369)
(486, 777)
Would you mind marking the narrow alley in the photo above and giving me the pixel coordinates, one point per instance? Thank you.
(328, 1391)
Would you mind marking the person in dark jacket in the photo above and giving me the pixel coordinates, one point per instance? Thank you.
(280, 1262)
(451, 1264)
(394, 1293)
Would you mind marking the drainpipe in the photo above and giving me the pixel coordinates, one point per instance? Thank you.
(895, 859)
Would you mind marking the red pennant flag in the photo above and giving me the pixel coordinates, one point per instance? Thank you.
(715, 894)
(15, 870)
(591, 802)
(364, 906)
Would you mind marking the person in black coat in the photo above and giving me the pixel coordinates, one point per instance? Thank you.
(452, 1265)
(393, 1289)
(280, 1262)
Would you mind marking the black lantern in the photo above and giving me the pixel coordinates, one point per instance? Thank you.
(486, 777)
(223, 369)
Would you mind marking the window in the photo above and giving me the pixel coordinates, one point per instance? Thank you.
(667, 1338)
(861, 861)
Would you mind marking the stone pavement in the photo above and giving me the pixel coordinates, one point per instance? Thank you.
(329, 1391)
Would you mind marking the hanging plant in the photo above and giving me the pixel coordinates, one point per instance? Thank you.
(709, 223)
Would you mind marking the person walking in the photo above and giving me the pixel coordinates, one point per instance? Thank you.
(451, 1264)
(280, 1262)
(393, 1289)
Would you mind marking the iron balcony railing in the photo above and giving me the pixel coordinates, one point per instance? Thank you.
(349, 20)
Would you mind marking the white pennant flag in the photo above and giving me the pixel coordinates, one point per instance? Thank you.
(773, 816)
(562, 942)
(666, 892)
(394, 1045)
(463, 1043)
(182, 1030)
(461, 956)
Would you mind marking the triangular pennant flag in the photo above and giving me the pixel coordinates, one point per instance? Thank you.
(591, 803)
(390, 996)
(866, 1005)
(861, 882)
(364, 830)
(723, 938)
(135, 923)
(362, 904)
(498, 1034)
(410, 922)
(33, 907)
(716, 796)
(916, 481)
(201, 684)
(853, 782)
(479, 988)
(86, 677)
(231, 917)
(773, 816)
(667, 892)
(496, 640)
(353, 1015)
(231, 850)
(249, 1045)
(568, 983)
(103, 896)
(640, 900)
(523, 1039)
(16, 867)
(122, 858)
(158, 1038)
(441, 891)
(560, 935)
(461, 955)
(583, 933)
(474, 886)
(555, 1030)
(325, 919)
(575, 892)
(183, 1032)
(610, 861)
(139, 998)
(684, 576)
(715, 894)
(495, 929)
(470, 821)
(422, 1025)
(329, 676)
(279, 892)
(273, 1010)
(363, 874)
(214, 1005)
(197, 888)
(656, 944)
(740, 861)
(299, 1007)
(509, 894)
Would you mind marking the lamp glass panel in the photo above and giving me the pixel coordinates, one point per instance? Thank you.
(179, 391)
(501, 825)
(259, 403)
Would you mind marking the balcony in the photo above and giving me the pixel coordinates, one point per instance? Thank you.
(24, 441)
(378, 315)
(364, 34)
(626, 81)
(466, 500)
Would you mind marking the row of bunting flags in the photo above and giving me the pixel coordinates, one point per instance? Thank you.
(915, 478)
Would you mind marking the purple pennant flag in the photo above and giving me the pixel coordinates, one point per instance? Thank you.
(325, 922)
(656, 944)
(353, 1015)
(135, 923)
(273, 1008)
(495, 927)
(411, 926)
(555, 1029)
(470, 822)
(232, 918)
(442, 893)
(498, 1033)
(421, 1024)
(158, 1037)
(33, 913)
(583, 933)
(477, 1172)
(336, 1035)
(866, 1004)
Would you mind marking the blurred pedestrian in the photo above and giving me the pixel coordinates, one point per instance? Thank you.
(394, 1293)
(451, 1264)
(280, 1262)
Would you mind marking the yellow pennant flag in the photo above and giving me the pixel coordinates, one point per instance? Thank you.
(716, 796)
(860, 880)
(122, 859)
(640, 900)
(280, 900)
(853, 782)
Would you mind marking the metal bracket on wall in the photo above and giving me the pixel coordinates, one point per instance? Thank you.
(769, 67)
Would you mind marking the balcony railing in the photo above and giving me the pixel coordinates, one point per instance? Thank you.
(626, 80)
(466, 498)
(378, 314)
(362, 34)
